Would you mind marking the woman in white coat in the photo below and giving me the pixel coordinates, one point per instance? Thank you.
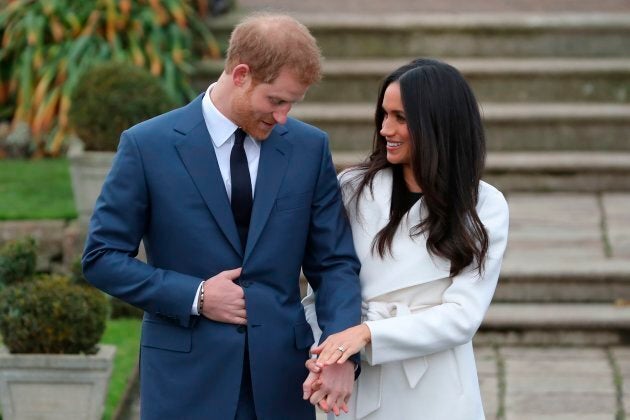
(430, 236)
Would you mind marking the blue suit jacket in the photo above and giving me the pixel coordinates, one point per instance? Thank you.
(165, 187)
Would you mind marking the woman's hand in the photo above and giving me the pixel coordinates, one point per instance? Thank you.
(337, 348)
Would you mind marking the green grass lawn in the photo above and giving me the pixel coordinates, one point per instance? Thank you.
(35, 189)
(125, 335)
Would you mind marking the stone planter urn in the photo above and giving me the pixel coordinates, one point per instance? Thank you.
(54, 386)
(88, 171)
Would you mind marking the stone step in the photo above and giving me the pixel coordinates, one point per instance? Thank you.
(541, 171)
(555, 324)
(549, 278)
(509, 126)
(492, 79)
(462, 35)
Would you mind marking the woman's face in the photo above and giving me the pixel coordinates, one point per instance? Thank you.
(394, 127)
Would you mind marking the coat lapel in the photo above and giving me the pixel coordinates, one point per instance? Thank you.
(196, 151)
(409, 264)
(274, 159)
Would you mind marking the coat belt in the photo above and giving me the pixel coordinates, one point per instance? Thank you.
(370, 383)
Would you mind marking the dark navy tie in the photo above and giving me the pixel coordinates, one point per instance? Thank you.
(241, 186)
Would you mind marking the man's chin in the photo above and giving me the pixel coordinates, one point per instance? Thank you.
(261, 135)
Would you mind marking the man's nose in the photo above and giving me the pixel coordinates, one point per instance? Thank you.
(281, 114)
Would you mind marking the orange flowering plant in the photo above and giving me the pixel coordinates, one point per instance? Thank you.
(46, 45)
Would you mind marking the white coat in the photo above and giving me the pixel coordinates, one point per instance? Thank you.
(420, 363)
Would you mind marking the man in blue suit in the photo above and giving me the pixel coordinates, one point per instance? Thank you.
(232, 199)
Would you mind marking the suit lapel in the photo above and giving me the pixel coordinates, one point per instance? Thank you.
(196, 152)
(274, 159)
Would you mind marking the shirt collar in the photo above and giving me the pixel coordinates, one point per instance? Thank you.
(219, 126)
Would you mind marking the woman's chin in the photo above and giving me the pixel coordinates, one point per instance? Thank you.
(393, 159)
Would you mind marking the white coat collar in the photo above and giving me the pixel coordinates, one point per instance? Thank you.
(409, 264)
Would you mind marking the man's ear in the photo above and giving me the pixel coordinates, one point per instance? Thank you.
(241, 75)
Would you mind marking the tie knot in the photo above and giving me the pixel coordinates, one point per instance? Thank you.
(239, 136)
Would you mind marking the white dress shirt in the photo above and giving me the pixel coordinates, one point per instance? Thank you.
(221, 131)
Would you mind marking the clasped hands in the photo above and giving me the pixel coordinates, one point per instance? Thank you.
(331, 376)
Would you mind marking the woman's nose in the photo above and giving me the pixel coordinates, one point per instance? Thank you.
(386, 128)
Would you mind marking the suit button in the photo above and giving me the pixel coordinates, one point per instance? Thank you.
(241, 329)
(246, 283)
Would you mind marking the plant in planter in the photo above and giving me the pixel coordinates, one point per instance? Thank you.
(47, 45)
(110, 97)
(50, 326)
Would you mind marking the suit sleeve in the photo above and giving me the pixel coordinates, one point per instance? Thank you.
(330, 263)
(115, 231)
(464, 303)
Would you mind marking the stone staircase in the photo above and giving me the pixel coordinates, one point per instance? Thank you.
(554, 89)
(555, 96)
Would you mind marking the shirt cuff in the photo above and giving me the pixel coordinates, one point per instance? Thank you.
(193, 310)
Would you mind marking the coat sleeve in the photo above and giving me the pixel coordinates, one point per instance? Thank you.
(116, 229)
(464, 304)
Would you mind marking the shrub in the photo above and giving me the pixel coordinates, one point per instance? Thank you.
(76, 273)
(111, 97)
(17, 261)
(46, 314)
(52, 315)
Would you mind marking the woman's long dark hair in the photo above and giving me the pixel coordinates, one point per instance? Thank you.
(447, 157)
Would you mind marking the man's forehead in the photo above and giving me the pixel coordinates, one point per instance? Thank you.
(287, 85)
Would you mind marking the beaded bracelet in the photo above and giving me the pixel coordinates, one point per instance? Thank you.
(200, 302)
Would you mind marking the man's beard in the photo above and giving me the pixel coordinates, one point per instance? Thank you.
(246, 118)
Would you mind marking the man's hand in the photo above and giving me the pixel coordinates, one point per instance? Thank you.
(224, 300)
(333, 388)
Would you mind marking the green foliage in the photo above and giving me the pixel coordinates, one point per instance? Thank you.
(48, 44)
(76, 272)
(52, 315)
(17, 261)
(111, 97)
